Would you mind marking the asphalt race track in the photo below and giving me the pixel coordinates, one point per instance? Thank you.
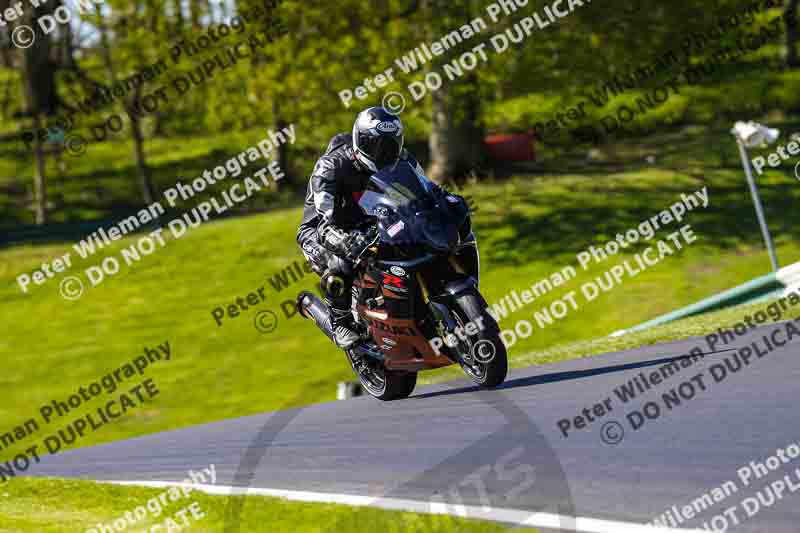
(504, 449)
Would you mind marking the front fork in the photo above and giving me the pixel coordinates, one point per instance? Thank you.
(443, 317)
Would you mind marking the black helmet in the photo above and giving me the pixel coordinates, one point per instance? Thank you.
(377, 138)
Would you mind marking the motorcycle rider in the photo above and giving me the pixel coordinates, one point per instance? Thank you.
(330, 234)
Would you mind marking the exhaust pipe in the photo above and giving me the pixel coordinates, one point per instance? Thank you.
(309, 306)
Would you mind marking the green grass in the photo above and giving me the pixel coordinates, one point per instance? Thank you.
(54, 506)
(102, 182)
(528, 227)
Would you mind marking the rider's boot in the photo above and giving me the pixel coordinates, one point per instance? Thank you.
(344, 330)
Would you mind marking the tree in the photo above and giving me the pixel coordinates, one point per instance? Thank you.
(457, 132)
(41, 99)
(132, 28)
(790, 17)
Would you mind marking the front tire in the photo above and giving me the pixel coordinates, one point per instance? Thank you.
(483, 357)
(383, 384)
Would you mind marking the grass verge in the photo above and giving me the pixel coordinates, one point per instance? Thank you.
(57, 506)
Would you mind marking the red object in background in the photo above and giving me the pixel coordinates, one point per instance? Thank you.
(513, 147)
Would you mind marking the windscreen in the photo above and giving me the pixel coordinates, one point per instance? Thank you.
(396, 188)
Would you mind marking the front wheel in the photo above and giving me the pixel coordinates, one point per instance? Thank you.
(381, 383)
(481, 354)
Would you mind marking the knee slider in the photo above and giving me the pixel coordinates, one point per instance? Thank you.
(332, 285)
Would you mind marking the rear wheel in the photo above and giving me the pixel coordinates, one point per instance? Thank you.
(482, 355)
(381, 383)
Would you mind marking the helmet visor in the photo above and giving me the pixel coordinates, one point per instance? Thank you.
(384, 150)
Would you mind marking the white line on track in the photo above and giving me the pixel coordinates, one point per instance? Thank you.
(519, 517)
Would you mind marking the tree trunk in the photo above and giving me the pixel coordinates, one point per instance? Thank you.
(279, 153)
(142, 171)
(790, 12)
(41, 99)
(456, 139)
(441, 163)
(179, 19)
(39, 178)
(195, 13)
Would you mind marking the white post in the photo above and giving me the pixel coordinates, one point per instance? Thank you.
(757, 202)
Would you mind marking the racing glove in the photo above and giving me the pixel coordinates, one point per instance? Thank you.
(345, 244)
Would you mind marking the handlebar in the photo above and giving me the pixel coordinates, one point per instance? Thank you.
(370, 239)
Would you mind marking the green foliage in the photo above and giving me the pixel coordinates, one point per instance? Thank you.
(335, 46)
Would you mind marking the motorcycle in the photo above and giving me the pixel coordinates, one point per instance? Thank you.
(415, 302)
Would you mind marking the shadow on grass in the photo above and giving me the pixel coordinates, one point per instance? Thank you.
(111, 194)
(568, 221)
(728, 222)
